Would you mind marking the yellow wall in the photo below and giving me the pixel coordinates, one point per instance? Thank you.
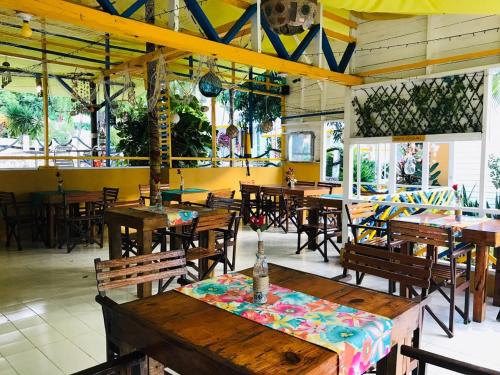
(23, 181)
(304, 171)
(224, 178)
(440, 153)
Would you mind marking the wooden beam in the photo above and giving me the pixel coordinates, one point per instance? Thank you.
(334, 35)
(425, 63)
(65, 11)
(344, 21)
(55, 62)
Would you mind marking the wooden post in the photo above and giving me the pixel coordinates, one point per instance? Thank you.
(45, 93)
(154, 131)
(93, 119)
(214, 132)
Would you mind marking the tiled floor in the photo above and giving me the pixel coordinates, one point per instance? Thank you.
(50, 324)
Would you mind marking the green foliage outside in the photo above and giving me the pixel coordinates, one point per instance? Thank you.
(24, 113)
(264, 107)
(191, 136)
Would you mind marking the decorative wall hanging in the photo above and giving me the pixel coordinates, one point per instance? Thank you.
(452, 104)
(289, 17)
(210, 85)
(6, 74)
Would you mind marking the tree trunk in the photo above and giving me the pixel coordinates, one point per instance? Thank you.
(154, 131)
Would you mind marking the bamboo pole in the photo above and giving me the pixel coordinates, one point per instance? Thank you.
(214, 131)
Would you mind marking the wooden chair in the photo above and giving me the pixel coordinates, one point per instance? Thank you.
(305, 183)
(198, 254)
(274, 207)
(110, 195)
(144, 191)
(366, 227)
(77, 218)
(251, 200)
(247, 182)
(124, 272)
(410, 272)
(324, 220)
(424, 357)
(445, 273)
(16, 215)
(134, 363)
(222, 193)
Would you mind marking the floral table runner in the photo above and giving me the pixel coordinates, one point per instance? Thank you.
(359, 338)
(174, 216)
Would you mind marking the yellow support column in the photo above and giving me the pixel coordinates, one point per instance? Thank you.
(214, 132)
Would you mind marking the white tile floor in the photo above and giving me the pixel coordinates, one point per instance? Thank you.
(50, 324)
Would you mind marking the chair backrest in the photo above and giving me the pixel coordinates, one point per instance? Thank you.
(8, 205)
(249, 189)
(270, 192)
(110, 194)
(223, 220)
(405, 269)
(131, 203)
(329, 185)
(360, 211)
(420, 234)
(118, 273)
(306, 183)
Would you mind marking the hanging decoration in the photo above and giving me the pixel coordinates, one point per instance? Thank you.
(232, 131)
(175, 118)
(6, 74)
(267, 125)
(289, 17)
(210, 85)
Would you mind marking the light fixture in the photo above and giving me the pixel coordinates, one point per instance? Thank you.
(26, 29)
(210, 85)
(289, 17)
(6, 74)
(39, 87)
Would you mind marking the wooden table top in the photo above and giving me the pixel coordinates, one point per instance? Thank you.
(300, 189)
(148, 220)
(474, 229)
(191, 336)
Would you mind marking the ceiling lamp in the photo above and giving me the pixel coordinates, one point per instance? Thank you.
(232, 131)
(210, 85)
(26, 29)
(289, 17)
(6, 74)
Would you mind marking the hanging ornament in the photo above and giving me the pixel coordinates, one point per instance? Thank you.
(6, 74)
(175, 118)
(289, 17)
(410, 165)
(204, 108)
(266, 126)
(210, 85)
(232, 131)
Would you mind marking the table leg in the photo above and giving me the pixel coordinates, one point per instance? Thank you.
(115, 241)
(207, 240)
(145, 246)
(312, 234)
(388, 364)
(480, 278)
(496, 296)
(50, 225)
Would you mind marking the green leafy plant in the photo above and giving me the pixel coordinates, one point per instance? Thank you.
(23, 121)
(467, 200)
(494, 166)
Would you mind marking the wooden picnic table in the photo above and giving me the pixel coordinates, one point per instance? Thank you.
(145, 222)
(482, 232)
(194, 337)
(49, 200)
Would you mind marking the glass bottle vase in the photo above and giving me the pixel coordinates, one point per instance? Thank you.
(260, 276)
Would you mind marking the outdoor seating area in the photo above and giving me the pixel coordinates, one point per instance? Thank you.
(249, 187)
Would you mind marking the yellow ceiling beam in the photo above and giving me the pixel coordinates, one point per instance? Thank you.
(344, 21)
(55, 62)
(339, 36)
(425, 63)
(75, 14)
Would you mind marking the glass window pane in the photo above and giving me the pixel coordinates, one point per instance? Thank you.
(409, 164)
(301, 146)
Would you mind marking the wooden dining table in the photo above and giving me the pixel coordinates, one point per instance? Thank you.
(482, 232)
(145, 221)
(48, 200)
(193, 337)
